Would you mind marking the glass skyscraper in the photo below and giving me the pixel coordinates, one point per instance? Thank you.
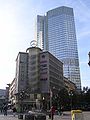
(55, 32)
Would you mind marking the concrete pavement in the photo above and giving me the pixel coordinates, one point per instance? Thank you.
(8, 117)
(66, 116)
(86, 115)
(56, 117)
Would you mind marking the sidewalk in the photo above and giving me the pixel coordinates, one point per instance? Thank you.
(11, 117)
(66, 116)
(8, 117)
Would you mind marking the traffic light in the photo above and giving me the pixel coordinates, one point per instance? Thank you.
(89, 63)
(89, 59)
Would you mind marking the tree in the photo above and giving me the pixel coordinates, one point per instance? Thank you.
(63, 98)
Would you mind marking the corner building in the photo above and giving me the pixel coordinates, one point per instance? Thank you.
(56, 33)
(40, 72)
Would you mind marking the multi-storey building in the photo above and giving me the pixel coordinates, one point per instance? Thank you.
(55, 32)
(21, 71)
(51, 72)
(2, 98)
(12, 91)
(70, 86)
(37, 73)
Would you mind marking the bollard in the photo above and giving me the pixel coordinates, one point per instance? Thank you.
(77, 115)
(40, 116)
(20, 116)
(35, 116)
(29, 117)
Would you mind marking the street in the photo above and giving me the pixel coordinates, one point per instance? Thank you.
(66, 116)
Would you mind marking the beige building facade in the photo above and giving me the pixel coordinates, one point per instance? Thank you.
(37, 72)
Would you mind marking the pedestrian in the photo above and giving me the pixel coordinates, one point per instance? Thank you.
(1, 109)
(14, 111)
(5, 109)
(59, 110)
(52, 112)
(62, 110)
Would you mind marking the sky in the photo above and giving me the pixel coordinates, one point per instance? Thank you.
(17, 25)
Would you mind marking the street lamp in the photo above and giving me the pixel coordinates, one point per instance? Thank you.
(51, 94)
(71, 94)
(22, 96)
(43, 100)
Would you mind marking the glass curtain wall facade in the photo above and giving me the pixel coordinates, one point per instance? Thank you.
(59, 38)
(39, 29)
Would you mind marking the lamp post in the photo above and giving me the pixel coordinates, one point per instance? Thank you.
(50, 98)
(71, 94)
(43, 103)
(22, 95)
(51, 94)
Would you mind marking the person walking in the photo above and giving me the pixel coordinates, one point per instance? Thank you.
(59, 110)
(5, 110)
(14, 111)
(52, 111)
(62, 110)
(1, 109)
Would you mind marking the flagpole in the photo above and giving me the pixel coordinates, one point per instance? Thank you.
(51, 102)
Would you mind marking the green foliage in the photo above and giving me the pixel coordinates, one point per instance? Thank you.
(72, 100)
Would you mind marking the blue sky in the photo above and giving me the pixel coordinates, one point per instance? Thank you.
(17, 22)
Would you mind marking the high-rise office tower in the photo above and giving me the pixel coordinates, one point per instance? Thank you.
(55, 32)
